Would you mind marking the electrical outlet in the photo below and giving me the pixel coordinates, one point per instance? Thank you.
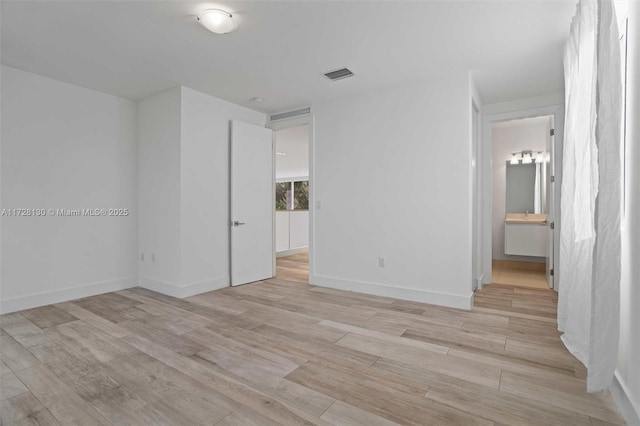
(318, 205)
(382, 262)
(141, 257)
(153, 257)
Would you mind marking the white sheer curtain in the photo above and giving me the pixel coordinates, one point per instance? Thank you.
(588, 306)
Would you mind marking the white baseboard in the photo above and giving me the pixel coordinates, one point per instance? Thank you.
(479, 282)
(291, 252)
(183, 291)
(64, 294)
(630, 413)
(412, 294)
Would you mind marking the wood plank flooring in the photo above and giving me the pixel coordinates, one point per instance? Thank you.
(283, 352)
(519, 274)
(295, 267)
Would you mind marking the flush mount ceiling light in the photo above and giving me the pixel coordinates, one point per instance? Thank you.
(280, 153)
(217, 21)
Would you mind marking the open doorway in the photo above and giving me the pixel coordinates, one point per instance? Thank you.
(522, 207)
(292, 198)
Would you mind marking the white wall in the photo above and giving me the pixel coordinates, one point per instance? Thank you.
(509, 137)
(72, 148)
(184, 186)
(65, 147)
(392, 174)
(282, 222)
(628, 370)
(298, 229)
(294, 143)
(159, 188)
(292, 231)
(204, 185)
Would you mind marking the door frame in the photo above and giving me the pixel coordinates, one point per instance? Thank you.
(476, 196)
(557, 111)
(286, 123)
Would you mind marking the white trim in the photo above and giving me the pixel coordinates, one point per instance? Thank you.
(274, 268)
(475, 183)
(65, 294)
(549, 99)
(312, 194)
(185, 290)
(411, 294)
(620, 394)
(479, 282)
(285, 253)
(557, 111)
(293, 179)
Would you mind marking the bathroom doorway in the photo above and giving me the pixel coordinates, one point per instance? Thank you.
(523, 198)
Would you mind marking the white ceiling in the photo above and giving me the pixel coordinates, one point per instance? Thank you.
(294, 142)
(280, 50)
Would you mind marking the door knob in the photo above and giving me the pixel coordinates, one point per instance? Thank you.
(237, 223)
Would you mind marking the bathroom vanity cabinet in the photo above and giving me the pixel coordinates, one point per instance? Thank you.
(525, 235)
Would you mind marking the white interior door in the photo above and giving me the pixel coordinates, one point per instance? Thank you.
(252, 203)
(550, 201)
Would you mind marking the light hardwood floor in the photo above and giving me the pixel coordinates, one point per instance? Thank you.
(284, 352)
(520, 274)
(293, 268)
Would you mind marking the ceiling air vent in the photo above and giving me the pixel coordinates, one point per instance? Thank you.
(289, 114)
(339, 74)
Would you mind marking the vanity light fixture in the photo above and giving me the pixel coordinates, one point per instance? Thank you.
(526, 157)
(217, 21)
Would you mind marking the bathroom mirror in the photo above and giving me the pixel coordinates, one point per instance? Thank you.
(526, 188)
